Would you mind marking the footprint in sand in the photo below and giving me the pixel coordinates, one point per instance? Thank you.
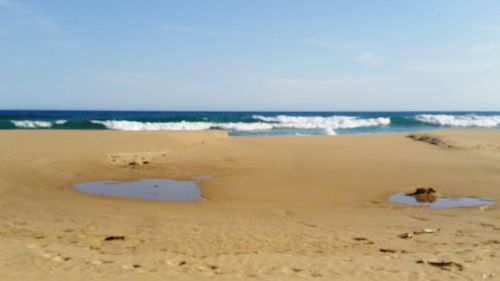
(61, 259)
(175, 263)
(100, 262)
(290, 270)
(134, 159)
(55, 257)
(136, 266)
(301, 272)
(209, 269)
(130, 160)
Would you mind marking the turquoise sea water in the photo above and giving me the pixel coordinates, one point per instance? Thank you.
(248, 123)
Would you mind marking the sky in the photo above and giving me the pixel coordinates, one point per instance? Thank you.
(283, 55)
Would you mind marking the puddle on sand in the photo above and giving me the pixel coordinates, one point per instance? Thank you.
(149, 189)
(441, 202)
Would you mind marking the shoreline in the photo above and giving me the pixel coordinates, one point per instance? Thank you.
(279, 207)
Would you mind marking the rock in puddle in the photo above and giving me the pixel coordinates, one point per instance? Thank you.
(424, 194)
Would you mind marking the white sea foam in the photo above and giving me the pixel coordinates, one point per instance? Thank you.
(152, 126)
(469, 120)
(320, 122)
(180, 126)
(31, 124)
(61, 122)
(327, 124)
(330, 132)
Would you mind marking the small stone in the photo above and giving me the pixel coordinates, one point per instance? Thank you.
(111, 238)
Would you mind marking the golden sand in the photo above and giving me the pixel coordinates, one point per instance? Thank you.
(275, 208)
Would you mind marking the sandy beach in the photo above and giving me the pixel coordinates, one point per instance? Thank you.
(274, 208)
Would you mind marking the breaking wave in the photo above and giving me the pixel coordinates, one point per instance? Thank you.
(469, 120)
(249, 123)
(179, 126)
(61, 122)
(327, 124)
(34, 124)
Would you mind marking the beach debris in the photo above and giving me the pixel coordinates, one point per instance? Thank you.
(363, 239)
(408, 235)
(444, 265)
(392, 251)
(424, 194)
(111, 238)
(387, 250)
(360, 239)
(138, 162)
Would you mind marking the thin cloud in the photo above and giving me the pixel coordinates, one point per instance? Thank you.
(370, 58)
(290, 84)
(178, 28)
(220, 32)
(322, 43)
(30, 14)
(123, 78)
(489, 28)
(489, 47)
(452, 67)
(192, 29)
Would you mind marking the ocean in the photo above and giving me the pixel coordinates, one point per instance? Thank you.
(248, 123)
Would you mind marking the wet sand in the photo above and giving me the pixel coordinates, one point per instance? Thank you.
(275, 208)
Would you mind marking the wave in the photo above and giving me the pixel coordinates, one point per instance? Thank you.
(35, 124)
(31, 124)
(251, 123)
(327, 124)
(330, 131)
(469, 120)
(180, 126)
(60, 122)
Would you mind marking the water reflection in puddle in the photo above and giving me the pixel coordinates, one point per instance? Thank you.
(441, 202)
(149, 189)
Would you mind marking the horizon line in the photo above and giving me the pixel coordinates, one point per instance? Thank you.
(243, 111)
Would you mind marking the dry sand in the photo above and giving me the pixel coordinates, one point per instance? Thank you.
(276, 208)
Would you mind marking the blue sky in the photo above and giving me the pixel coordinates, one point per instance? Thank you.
(250, 55)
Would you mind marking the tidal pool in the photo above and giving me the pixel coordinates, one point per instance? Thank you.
(441, 202)
(149, 189)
